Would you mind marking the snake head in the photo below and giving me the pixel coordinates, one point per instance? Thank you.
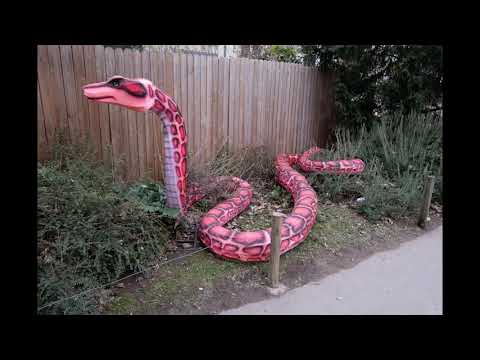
(134, 94)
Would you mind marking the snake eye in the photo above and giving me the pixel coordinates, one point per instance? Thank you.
(115, 83)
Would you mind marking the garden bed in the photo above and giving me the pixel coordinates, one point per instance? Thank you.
(94, 229)
(206, 284)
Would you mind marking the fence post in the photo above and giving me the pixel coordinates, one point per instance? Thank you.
(275, 249)
(427, 198)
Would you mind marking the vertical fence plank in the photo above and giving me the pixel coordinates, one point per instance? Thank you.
(190, 110)
(209, 121)
(248, 102)
(115, 126)
(319, 109)
(315, 101)
(289, 117)
(203, 109)
(184, 90)
(253, 91)
(93, 108)
(242, 98)
(140, 117)
(219, 133)
(156, 69)
(155, 134)
(281, 113)
(122, 116)
(308, 108)
(296, 97)
(197, 109)
(131, 124)
(237, 114)
(168, 75)
(254, 132)
(311, 118)
(276, 105)
(298, 108)
(303, 106)
(231, 104)
(247, 123)
(267, 103)
(305, 111)
(177, 86)
(42, 143)
(148, 119)
(260, 123)
(215, 123)
(103, 113)
(48, 99)
(292, 120)
(162, 76)
(302, 111)
(226, 101)
(273, 103)
(58, 91)
(52, 95)
(238, 124)
(168, 86)
(286, 93)
(81, 80)
(69, 84)
(315, 107)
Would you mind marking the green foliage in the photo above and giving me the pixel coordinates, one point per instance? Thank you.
(281, 53)
(90, 229)
(150, 197)
(399, 151)
(374, 80)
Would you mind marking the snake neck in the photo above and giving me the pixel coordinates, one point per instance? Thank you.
(175, 149)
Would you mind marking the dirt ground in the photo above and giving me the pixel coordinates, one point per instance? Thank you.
(206, 284)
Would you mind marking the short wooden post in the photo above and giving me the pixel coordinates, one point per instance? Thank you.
(275, 248)
(427, 198)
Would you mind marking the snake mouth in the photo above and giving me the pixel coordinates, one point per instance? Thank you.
(100, 97)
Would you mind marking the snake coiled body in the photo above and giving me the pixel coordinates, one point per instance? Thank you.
(255, 245)
(141, 95)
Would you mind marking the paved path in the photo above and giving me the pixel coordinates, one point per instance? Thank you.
(404, 281)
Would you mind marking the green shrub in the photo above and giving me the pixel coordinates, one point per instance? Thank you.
(91, 229)
(399, 151)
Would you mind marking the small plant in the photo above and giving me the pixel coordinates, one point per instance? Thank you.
(150, 197)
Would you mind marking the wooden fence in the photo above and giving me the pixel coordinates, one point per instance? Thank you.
(235, 102)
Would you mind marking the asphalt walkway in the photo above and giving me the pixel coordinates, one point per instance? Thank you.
(404, 281)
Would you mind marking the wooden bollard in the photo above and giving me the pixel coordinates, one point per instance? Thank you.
(275, 248)
(427, 199)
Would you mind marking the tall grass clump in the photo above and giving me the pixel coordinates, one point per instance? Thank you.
(91, 229)
(249, 163)
(399, 151)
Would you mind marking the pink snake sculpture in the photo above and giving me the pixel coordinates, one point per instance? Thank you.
(142, 96)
